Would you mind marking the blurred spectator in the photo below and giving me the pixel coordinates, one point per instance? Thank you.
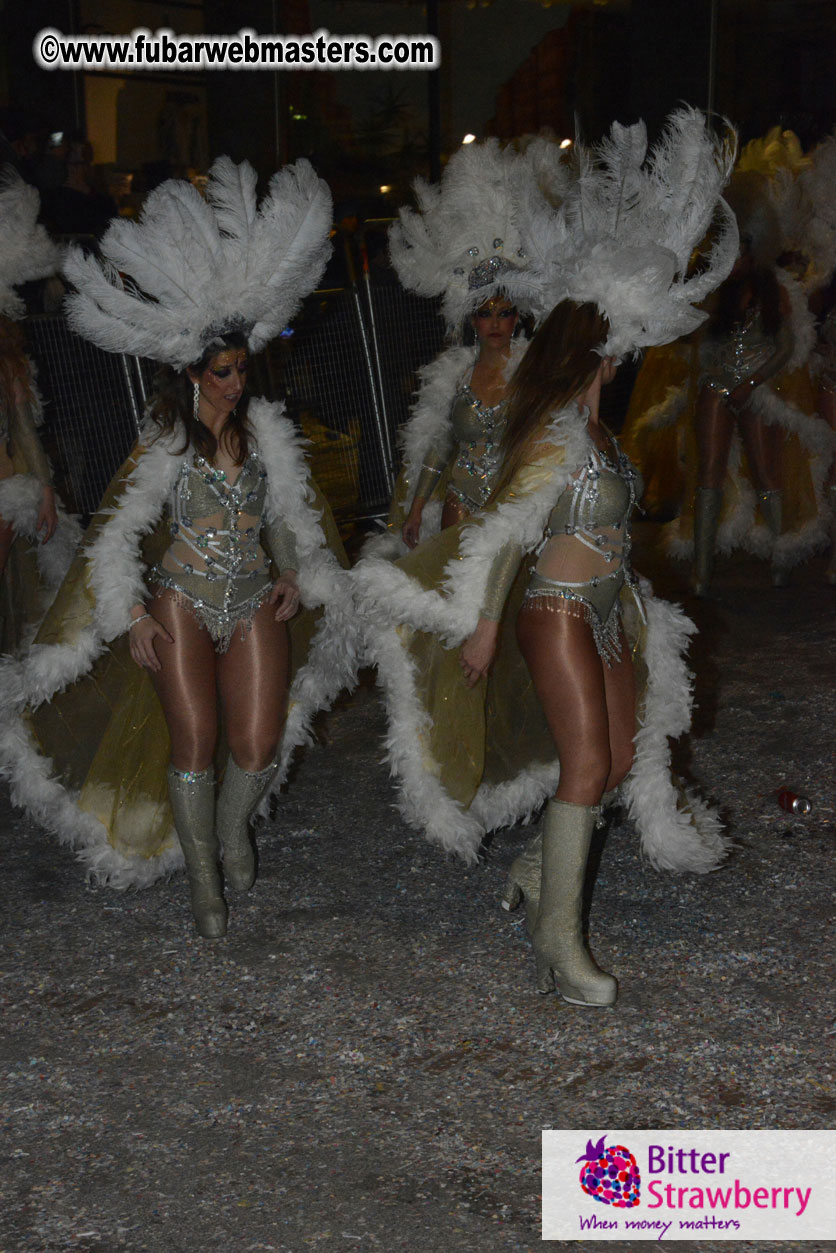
(76, 207)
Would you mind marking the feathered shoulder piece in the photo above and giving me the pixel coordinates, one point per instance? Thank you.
(817, 184)
(463, 242)
(625, 234)
(192, 268)
(26, 250)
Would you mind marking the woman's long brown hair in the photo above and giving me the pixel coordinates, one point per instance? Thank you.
(172, 408)
(559, 363)
(14, 368)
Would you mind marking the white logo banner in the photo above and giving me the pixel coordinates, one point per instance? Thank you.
(689, 1185)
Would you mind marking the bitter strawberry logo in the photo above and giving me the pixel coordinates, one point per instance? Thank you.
(610, 1175)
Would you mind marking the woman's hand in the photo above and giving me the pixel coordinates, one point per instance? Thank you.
(478, 651)
(47, 515)
(285, 595)
(141, 640)
(411, 529)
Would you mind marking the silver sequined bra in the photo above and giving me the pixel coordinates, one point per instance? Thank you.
(731, 359)
(215, 563)
(588, 543)
(477, 430)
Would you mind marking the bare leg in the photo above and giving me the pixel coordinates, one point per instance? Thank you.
(590, 709)
(185, 685)
(594, 744)
(762, 441)
(253, 678)
(714, 426)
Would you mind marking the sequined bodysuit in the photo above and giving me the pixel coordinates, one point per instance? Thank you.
(215, 563)
(473, 440)
(726, 361)
(583, 559)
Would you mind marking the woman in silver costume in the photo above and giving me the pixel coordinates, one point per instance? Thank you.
(208, 541)
(467, 452)
(569, 632)
(748, 341)
(214, 622)
(531, 601)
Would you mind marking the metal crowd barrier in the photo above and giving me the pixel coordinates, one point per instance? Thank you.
(345, 369)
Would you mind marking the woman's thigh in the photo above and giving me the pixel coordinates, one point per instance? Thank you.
(568, 676)
(185, 683)
(620, 689)
(714, 426)
(253, 680)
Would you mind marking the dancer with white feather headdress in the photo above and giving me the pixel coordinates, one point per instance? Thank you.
(724, 426)
(207, 542)
(463, 244)
(505, 644)
(37, 538)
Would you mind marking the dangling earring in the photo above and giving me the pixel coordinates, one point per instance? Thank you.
(196, 404)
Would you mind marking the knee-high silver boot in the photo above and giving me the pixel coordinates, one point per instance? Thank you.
(562, 959)
(241, 791)
(192, 796)
(707, 506)
(772, 511)
(523, 882)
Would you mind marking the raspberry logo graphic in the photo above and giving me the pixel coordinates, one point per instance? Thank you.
(610, 1175)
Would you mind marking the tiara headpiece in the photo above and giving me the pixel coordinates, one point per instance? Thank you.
(463, 242)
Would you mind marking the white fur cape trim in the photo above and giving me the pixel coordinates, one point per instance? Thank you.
(428, 428)
(115, 576)
(674, 836)
(740, 528)
(20, 503)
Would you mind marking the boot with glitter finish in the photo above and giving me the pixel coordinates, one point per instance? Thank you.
(563, 962)
(240, 793)
(192, 796)
(523, 882)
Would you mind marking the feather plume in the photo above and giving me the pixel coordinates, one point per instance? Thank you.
(624, 234)
(463, 242)
(196, 267)
(26, 251)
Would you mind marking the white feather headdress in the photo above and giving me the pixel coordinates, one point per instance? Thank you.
(26, 250)
(190, 269)
(817, 185)
(624, 235)
(463, 243)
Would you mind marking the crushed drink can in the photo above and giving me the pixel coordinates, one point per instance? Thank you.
(793, 803)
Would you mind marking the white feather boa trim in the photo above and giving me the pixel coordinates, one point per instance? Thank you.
(115, 575)
(677, 833)
(428, 428)
(740, 528)
(20, 503)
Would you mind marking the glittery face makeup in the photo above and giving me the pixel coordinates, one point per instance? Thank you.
(494, 323)
(223, 381)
